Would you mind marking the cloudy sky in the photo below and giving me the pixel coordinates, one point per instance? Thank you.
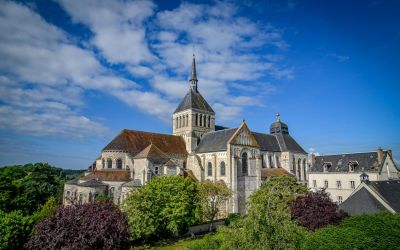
(73, 73)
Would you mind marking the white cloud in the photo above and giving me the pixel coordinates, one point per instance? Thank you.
(340, 58)
(48, 73)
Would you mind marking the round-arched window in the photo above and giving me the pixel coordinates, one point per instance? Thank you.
(109, 163)
(119, 163)
(244, 163)
(222, 168)
(209, 169)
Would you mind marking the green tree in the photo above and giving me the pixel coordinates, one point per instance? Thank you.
(14, 229)
(268, 224)
(212, 197)
(162, 207)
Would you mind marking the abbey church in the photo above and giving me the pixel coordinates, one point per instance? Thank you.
(197, 148)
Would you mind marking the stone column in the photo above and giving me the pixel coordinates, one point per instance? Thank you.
(258, 170)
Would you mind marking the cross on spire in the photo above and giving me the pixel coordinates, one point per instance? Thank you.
(278, 117)
(193, 77)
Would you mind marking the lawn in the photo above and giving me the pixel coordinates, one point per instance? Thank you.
(179, 245)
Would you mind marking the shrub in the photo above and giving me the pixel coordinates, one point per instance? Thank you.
(378, 231)
(163, 207)
(316, 210)
(232, 217)
(89, 226)
(14, 229)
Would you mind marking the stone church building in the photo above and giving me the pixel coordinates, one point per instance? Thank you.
(197, 148)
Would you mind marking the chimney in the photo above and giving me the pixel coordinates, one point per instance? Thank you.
(313, 159)
(380, 155)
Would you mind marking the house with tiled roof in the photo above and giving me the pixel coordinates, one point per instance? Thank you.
(340, 174)
(199, 149)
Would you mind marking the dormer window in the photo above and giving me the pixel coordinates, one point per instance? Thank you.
(327, 166)
(352, 165)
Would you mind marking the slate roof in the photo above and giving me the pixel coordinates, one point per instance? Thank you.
(217, 141)
(133, 183)
(194, 100)
(362, 202)
(287, 143)
(389, 191)
(267, 142)
(108, 175)
(89, 183)
(135, 141)
(367, 162)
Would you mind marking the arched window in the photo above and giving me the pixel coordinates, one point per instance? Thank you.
(209, 121)
(271, 164)
(277, 162)
(119, 163)
(222, 168)
(204, 121)
(187, 120)
(68, 196)
(294, 166)
(80, 199)
(103, 163)
(209, 169)
(299, 169)
(244, 163)
(305, 169)
(109, 163)
(196, 120)
(201, 120)
(90, 198)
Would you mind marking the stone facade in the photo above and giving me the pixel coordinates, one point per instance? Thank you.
(339, 175)
(239, 157)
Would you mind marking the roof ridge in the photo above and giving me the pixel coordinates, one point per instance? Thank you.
(350, 153)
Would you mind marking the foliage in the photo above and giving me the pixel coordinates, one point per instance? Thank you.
(208, 242)
(28, 187)
(162, 207)
(268, 224)
(316, 210)
(89, 226)
(378, 231)
(211, 197)
(14, 229)
(102, 198)
(232, 217)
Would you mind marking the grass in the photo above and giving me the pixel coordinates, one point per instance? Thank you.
(178, 245)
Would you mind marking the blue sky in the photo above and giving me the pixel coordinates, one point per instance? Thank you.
(75, 73)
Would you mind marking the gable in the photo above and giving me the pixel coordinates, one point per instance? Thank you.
(243, 137)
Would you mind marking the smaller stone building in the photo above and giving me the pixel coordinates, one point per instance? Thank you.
(340, 174)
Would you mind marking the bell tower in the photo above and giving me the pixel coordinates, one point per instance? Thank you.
(194, 116)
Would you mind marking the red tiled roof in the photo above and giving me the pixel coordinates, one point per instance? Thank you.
(135, 141)
(151, 151)
(273, 172)
(109, 175)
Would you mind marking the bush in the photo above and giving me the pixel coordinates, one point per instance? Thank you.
(316, 210)
(14, 229)
(378, 231)
(89, 226)
(232, 217)
(163, 207)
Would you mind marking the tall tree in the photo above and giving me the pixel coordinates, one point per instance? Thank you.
(162, 207)
(316, 210)
(212, 198)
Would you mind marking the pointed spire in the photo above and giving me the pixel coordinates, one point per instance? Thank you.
(193, 78)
